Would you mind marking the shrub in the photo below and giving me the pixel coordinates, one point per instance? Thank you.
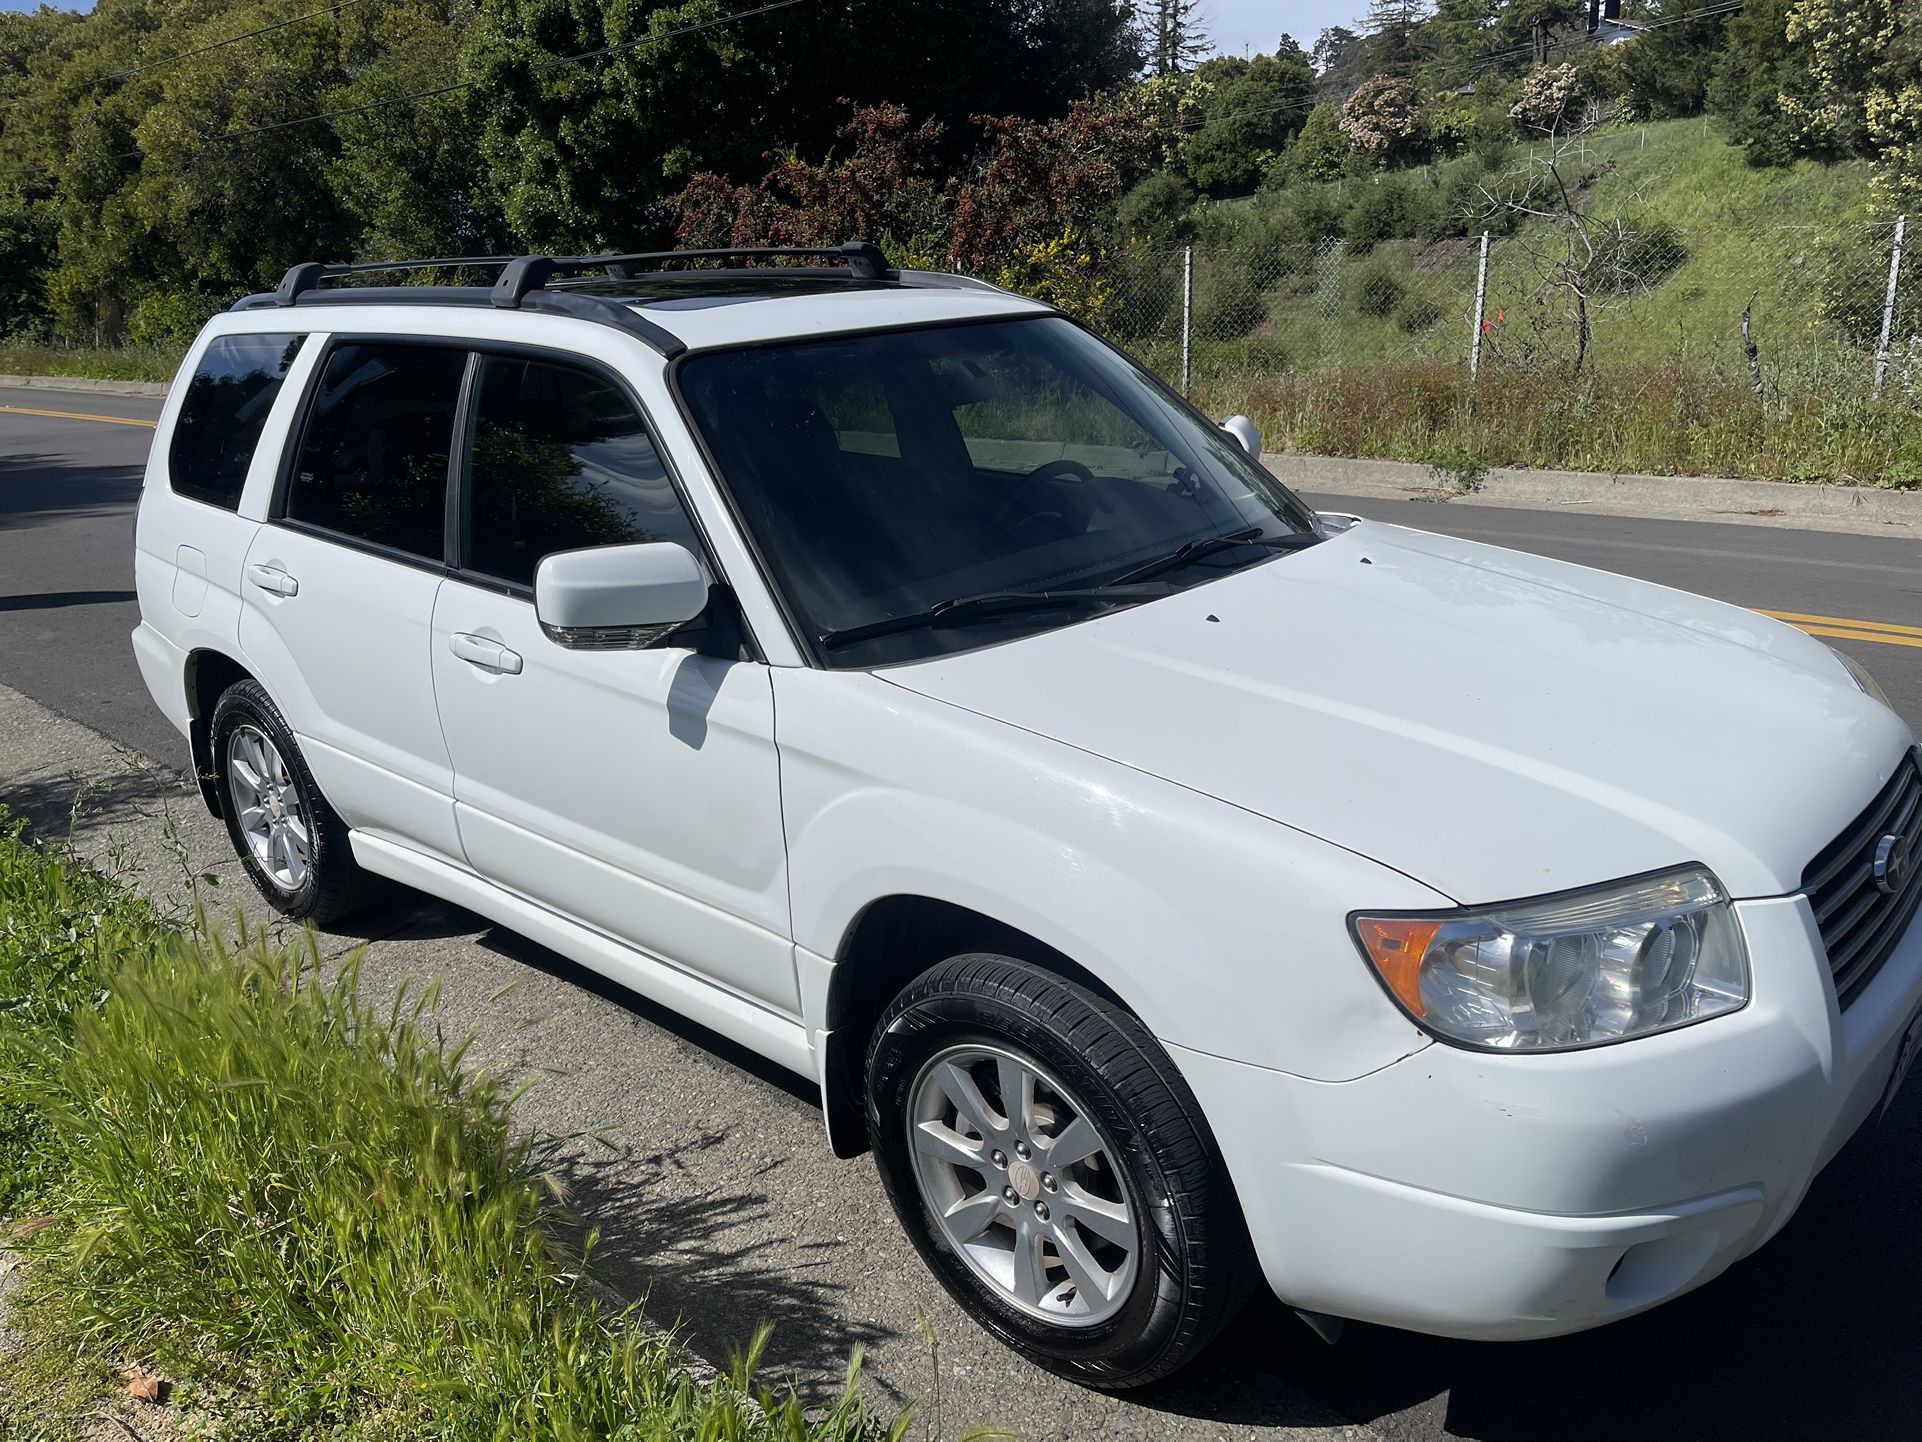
(1391, 208)
(1416, 314)
(1378, 293)
(1157, 209)
(1228, 301)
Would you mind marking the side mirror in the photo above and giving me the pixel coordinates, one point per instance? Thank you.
(616, 598)
(1243, 430)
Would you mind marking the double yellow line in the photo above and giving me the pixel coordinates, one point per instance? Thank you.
(1887, 632)
(77, 416)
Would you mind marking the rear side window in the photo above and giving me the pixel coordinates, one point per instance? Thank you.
(558, 460)
(220, 422)
(372, 463)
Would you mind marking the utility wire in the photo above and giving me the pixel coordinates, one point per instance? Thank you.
(230, 40)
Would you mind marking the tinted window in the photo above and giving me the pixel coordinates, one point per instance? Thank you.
(559, 461)
(227, 402)
(373, 459)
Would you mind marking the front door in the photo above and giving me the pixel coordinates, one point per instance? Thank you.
(636, 791)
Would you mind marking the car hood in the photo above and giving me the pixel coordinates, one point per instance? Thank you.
(1493, 724)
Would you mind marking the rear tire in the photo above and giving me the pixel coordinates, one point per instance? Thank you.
(292, 844)
(1086, 1221)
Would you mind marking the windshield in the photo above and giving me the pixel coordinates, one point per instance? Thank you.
(891, 474)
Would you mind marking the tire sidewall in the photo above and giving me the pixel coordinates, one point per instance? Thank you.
(1109, 1352)
(245, 704)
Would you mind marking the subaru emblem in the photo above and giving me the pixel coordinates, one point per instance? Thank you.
(1891, 863)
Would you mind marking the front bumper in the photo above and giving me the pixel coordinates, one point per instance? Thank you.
(1507, 1197)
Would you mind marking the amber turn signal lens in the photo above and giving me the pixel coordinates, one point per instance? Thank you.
(1396, 945)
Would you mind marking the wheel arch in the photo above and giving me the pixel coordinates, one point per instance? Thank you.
(209, 674)
(892, 940)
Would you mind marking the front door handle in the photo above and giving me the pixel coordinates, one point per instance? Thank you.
(272, 578)
(483, 652)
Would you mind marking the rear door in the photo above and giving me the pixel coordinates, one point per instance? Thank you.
(339, 586)
(634, 790)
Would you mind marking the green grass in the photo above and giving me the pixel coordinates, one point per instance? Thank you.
(1652, 420)
(107, 363)
(301, 1206)
(61, 931)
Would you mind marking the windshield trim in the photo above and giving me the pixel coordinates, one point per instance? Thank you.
(805, 641)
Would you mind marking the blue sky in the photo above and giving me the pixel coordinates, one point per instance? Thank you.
(1238, 27)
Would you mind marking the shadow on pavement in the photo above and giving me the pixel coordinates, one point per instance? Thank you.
(38, 489)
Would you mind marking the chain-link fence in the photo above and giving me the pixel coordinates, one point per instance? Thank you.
(1787, 312)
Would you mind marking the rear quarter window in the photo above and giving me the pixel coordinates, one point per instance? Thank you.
(232, 389)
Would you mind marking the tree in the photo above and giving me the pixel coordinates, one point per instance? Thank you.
(1399, 39)
(1320, 151)
(1176, 41)
(1382, 119)
(1668, 67)
(1338, 60)
(1757, 67)
(1251, 114)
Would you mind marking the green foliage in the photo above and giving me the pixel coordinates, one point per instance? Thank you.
(62, 931)
(1320, 150)
(1389, 207)
(1160, 208)
(1228, 300)
(1378, 292)
(1253, 111)
(302, 1205)
(1667, 71)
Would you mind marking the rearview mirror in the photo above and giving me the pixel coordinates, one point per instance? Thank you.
(1243, 430)
(617, 598)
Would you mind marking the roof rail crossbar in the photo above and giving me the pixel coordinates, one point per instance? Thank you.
(308, 275)
(532, 272)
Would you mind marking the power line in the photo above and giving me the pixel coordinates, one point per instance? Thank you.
(230, 40)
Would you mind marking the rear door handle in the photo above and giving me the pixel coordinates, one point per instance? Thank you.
(272, 578)
(483, 652)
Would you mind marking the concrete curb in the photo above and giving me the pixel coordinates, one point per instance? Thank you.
(1859, 510)
(155, 389)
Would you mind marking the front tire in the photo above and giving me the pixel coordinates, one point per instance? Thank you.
(293, 845)
(1052, 1168)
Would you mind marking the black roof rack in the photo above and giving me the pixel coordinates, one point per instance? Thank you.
(522, 284)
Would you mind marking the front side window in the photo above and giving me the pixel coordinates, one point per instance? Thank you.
(558, 459)
(233, 387)
(890, 475)
(372, 462)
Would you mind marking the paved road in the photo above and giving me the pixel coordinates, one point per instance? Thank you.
(740, 1215)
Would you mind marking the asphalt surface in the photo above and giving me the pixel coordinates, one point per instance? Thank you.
(727, 1210)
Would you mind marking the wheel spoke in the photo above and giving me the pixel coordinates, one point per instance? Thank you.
(943, 1143)
(1030, 1276)
(1107, 1220)
(1089, 1275)
(297, 829)
(1076, 1143)
(959, 1086)
(1017, 1095)
(243, 772)
(253, 818)
(971, 1216)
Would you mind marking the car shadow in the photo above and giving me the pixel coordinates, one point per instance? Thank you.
(1813, 1337)
(36, 489)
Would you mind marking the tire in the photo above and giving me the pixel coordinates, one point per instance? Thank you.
(319, 881)
(1124, 1316)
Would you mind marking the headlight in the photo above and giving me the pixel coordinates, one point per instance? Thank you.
(1574, 970)
(1861, 674)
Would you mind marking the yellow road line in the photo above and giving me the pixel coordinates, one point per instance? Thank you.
(77, 416)
(1884, 638)
(1848, 623)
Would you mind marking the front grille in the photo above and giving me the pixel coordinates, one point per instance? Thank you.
(1861, 923)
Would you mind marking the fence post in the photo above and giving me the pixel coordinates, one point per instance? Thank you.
(1187, 315)
(1481, 304)
(1888, 307)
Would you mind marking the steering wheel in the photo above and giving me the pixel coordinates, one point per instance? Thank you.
(1063, 468)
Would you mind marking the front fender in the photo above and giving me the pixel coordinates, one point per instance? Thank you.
(1223, 931)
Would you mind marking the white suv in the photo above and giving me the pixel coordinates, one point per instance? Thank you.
(887, 673)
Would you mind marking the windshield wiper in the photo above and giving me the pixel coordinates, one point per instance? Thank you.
(1207, 545)
(992, 603)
